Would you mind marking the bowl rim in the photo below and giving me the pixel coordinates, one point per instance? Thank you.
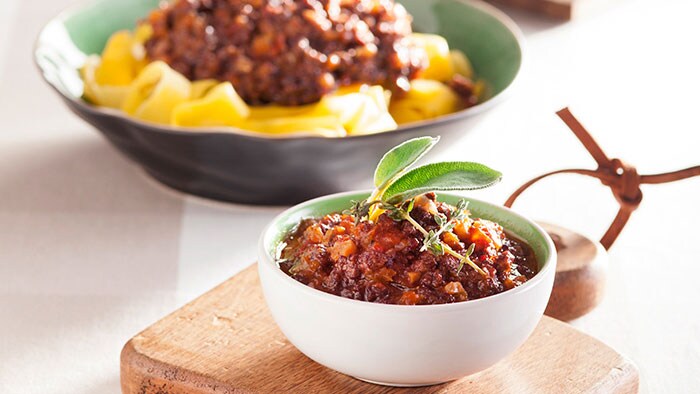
(499, 15)
(265, 257)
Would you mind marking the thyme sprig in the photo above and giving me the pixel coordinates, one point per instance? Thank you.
(431, 238)
(360, 209)
(458, 214)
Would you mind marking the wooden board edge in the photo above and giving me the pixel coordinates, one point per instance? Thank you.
(137, 375)
(624, 379)
(136, 370)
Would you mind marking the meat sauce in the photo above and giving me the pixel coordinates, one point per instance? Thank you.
(382, 261)
(287, 52)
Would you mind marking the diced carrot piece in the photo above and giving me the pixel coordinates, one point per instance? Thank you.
(314, 234)
(455, 289)
(478, 237)
(451, 240)
(462, 231)
(385, 274)
(343, 248)
(409, 298)
(491, 229)
(413, 278)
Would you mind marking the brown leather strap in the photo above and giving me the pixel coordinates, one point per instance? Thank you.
(623, 179)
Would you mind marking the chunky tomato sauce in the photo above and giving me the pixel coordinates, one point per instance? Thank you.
(285, 51)
(382, 261)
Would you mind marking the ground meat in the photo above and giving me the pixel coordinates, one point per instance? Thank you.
(287, 52)
(382, 262)
(464, 87)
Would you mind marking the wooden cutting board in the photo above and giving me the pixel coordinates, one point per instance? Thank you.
(225, 341)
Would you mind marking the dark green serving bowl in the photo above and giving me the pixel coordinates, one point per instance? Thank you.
(238, 166)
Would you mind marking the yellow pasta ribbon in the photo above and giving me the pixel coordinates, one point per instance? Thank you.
(221, 106)
(426, 99)
(356, 109)
(440, 66)
(374, 116)
(118, 66)
(461, 64)
(365, 112)
(354, 88)
(107, 78)
(324, 126)
(102, 95)
(278, 111)
(202, 87)
(142, 33)
(154, 94)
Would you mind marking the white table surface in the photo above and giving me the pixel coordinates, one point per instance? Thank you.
(92, 250)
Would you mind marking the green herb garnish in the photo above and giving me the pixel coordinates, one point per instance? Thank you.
(396, 188)
(399, 158)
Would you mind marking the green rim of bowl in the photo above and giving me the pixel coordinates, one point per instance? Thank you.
(491, 40)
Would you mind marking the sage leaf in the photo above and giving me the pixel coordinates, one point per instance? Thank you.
(399, 158)
(455, 175)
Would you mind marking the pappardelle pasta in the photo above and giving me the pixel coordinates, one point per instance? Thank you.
(131, 76)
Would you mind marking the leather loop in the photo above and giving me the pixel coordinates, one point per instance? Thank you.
(622, 178)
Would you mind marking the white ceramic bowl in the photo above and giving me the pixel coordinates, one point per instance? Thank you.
(403, 345)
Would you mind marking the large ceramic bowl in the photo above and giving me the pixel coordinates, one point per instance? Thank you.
(249, 168)
(397, 344)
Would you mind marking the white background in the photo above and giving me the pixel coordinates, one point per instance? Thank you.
(92, 251)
